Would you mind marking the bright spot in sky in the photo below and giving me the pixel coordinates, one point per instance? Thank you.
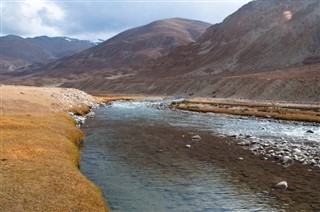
(287, 15)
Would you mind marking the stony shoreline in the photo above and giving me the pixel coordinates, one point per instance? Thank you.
(285, 151)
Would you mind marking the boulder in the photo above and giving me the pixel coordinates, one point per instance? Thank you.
(282, 185)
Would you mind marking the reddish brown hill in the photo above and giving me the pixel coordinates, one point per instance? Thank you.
(262, 35)
(129, 49)
(266, 50)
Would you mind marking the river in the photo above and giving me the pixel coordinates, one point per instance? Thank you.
(136, 180)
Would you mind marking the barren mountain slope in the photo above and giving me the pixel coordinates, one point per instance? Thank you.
(17, 52)
(265, 50)
(128, 49)
(268, 49)
(262, 35)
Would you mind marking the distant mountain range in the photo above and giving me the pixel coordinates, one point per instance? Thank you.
(122, 54)
(265, 50)
(18, 52)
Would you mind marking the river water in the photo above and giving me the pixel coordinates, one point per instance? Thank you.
(130, 180)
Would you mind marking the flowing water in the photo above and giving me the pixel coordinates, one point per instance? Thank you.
(130, 180)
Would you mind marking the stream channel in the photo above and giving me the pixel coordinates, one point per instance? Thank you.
(134, 180)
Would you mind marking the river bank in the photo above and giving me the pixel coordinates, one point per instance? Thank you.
(265, 109)
(39, 154)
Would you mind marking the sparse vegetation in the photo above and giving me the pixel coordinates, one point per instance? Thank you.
(285, 111)
(80, 110)
(115, 97)
(39, 155)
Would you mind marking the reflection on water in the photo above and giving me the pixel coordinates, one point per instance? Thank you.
(132, 182)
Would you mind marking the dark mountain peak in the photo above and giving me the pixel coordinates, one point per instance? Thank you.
(10, 37)
(18, 52)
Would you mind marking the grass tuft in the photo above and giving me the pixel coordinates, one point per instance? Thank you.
(80, 110)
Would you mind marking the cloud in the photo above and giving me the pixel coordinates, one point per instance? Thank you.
(102, 19)
(30, 17)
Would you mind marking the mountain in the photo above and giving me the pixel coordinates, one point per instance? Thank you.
(121, 54)
(262, 35)
(268, 49)
(18, 52)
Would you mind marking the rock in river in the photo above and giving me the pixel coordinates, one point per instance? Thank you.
(282, 185)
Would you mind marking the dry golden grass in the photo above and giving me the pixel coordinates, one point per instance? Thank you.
(124, 97)
(80, 110)
(39, 155)
(285, 111)
(119, 98)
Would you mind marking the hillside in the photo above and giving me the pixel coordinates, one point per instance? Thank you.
(18, 52)
(121, 54)
(260, 36)
(265, 50)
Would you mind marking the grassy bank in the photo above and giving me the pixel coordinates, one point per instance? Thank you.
(125, 97)
(276, 110)
(39, 153)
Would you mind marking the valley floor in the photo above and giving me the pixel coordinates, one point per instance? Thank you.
(40, 145)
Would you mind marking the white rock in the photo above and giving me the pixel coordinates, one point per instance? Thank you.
(255, 147)
(297, 151)
(243, 143)
(286, 160)
(282, 185)
(196, 137)
(188, 146)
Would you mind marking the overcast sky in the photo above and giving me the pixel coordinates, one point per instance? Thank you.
(102, 19)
